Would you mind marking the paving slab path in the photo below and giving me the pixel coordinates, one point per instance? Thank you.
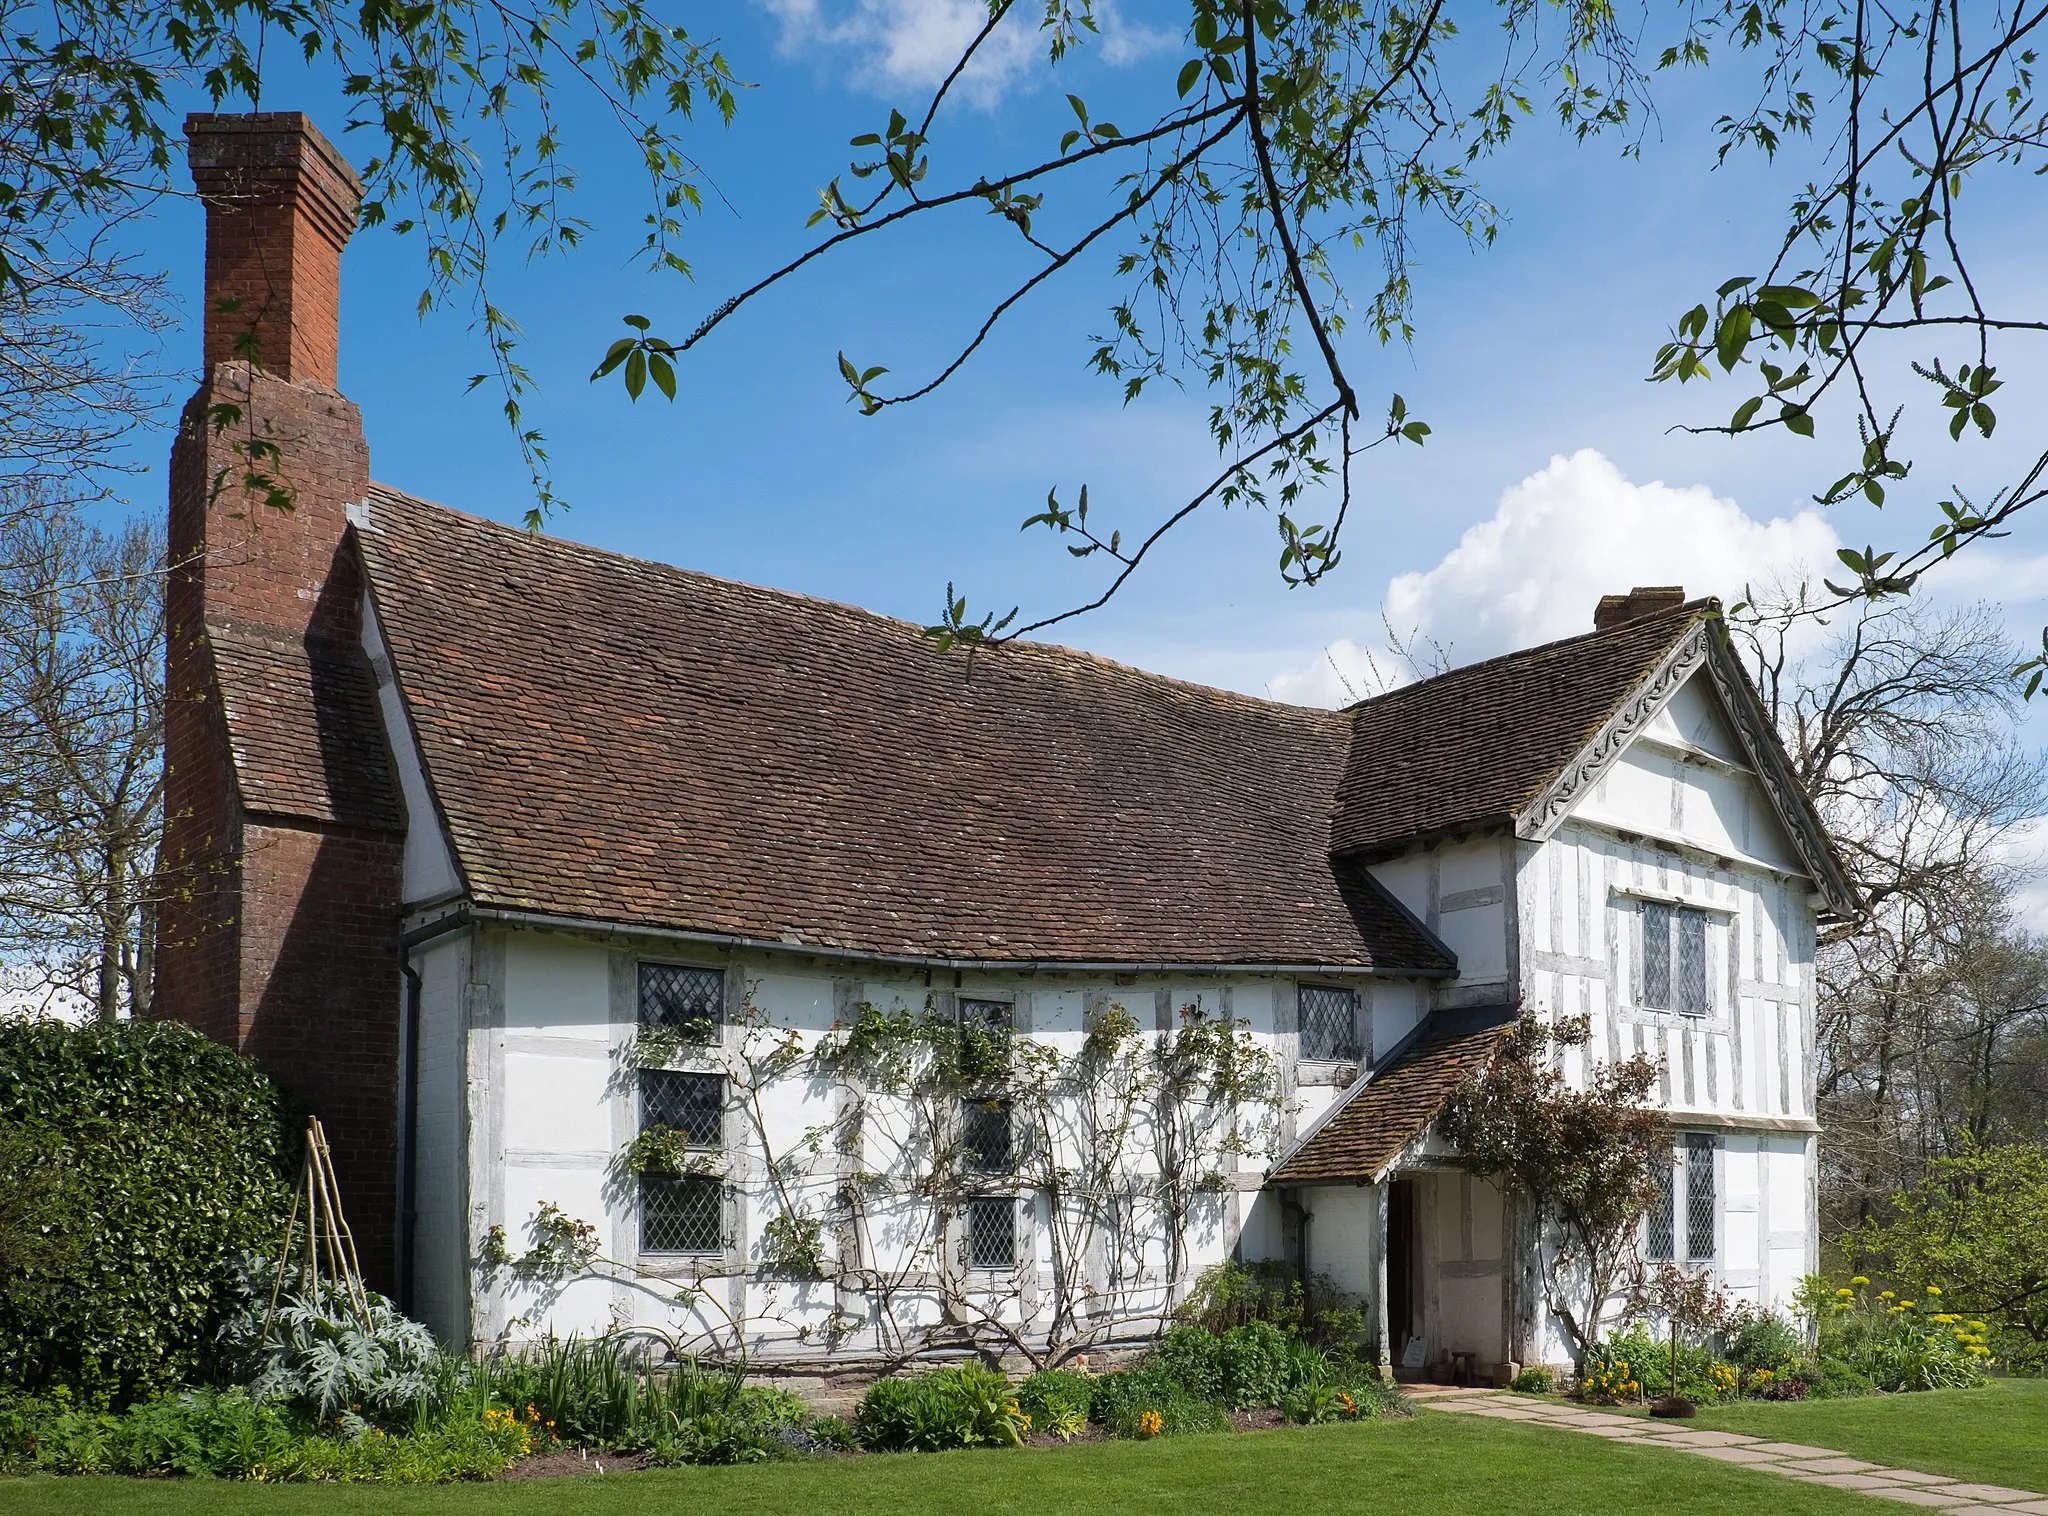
(1793, 1460)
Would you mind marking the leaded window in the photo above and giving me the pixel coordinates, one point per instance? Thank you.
(681, 1214)
(986, 1142)
(672, 995)
(1674, 959)
(693, 1104)
(991, 1223)
(986, 1015)
(1662, 1243)
(1329, 1024)
(1699, 1195)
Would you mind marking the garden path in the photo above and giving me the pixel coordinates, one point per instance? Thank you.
(1933, 1492)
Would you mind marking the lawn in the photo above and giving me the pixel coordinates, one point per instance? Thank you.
(1434, 1463)
(1998, 1435)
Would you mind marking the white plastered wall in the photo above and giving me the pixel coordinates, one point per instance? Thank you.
(550, 1104)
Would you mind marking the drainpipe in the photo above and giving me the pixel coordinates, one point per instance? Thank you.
(408, 1136)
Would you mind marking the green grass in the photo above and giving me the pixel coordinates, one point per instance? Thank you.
(1434, 1463)
(1998, 1434)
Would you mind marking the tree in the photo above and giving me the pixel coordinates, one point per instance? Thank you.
(1290, 137)
(1932, 1008)
(81, 750)
(1586, 1160)
(1973, 1229)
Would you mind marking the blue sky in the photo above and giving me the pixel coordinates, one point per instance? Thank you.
(1531, 351)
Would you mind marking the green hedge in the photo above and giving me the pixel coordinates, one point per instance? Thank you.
(138, 1156)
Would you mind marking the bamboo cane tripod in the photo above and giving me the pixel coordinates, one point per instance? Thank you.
(326, 1233)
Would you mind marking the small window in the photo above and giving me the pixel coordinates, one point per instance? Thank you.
(991, 1233)
(674, 996)
(986, 1015)
(1329, 1024)
(1694, 1161)
(1699, 1195)
(1662, 1243)
(681, 1214)
(1674, 959)
(693, 1104)
(986, 1143)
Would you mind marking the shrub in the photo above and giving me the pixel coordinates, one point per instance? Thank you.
(1534, 1381)
(1634, 1365)
(1055, 1399)
(962, 1407)
(1232, 1294)
(1192, 1357)
(321, 1358)
(1255, 1366)
(143, 1155)
(1124, 1400)
(226, 1434)
(1768, 1341)
(608, 1392)
(1896, 1345)
(831, 1434)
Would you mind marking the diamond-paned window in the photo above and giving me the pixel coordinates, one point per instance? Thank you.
(681, 1215)
(1699, 1195)
(1329, 1024)
(1674, 959)
(986, 1143)
(988, 1015)
(672, 995)
(1692, 961)
(1657, 956)
(1662, 1242)
(991, 1232)
(693, 1104)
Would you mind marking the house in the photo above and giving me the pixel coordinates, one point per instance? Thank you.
(669, 953)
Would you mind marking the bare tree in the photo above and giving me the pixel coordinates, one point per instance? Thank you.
(1903, 731)
(81, 749)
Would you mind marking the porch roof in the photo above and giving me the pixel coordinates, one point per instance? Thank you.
(1359, 1139)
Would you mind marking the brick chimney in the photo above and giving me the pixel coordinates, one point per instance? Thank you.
(1643, 600)
(280, 883)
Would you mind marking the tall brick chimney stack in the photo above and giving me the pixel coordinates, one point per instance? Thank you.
(280, 870)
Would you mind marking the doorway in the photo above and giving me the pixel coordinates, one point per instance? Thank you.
(1402, 1213)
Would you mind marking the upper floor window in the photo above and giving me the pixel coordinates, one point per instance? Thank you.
(1674, 959)
(1329, 1024)
(673, 995)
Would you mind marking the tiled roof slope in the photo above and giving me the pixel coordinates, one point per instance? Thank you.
(303, 727)
(1474, 746)
(1364, 1136)
(620, 741)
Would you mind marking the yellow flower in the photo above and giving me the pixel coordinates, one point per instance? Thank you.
(1845, 1293)
(1886, 1295)
(1860, 1280)
(1150, 1424)
(1934, 1289)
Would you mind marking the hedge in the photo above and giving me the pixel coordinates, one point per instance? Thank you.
(138, 1157)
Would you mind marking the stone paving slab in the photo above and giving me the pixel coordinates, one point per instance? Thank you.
(1911, 1495)
(1810, 1465)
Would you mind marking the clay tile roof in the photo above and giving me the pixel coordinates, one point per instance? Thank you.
(1497, 733)
(623, 742)
(304, 728)
(1361, 1138)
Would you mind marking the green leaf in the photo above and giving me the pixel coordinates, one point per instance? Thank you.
(636, 374)
(1744, 413)
(664, 375)
(1190, 75)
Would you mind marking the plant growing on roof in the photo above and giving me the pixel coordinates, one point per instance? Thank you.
(1584, 1158)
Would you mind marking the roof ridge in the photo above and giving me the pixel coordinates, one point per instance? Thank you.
(1690, 611)
(1052, 652)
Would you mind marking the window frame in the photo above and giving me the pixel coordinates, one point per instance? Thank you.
(714, 1148)
(969, 1206)
(1352, 1051)
(1676, 918)
(1688, 1204)
(641, 966)
(986, 1108)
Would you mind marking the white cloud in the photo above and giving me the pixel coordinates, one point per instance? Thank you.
(1555, 543)
(2024, 852)
(895, 44)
